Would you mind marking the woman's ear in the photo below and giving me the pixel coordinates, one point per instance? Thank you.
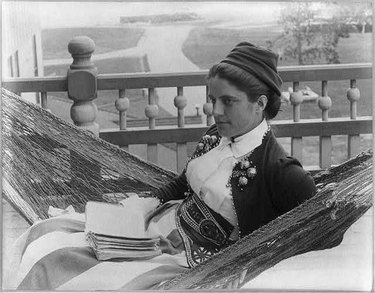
(262, 102)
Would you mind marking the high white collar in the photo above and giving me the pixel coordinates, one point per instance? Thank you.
(247, 142)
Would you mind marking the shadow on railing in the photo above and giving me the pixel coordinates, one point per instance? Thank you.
(83, 83)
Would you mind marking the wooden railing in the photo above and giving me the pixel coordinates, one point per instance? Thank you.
(83, 83)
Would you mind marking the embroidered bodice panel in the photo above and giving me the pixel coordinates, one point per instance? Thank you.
(208, 174)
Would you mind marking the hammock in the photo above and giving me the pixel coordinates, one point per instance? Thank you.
(49, 162)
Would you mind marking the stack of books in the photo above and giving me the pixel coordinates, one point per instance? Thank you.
(116, 231)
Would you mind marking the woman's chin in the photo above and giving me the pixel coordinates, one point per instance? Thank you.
(223, 130)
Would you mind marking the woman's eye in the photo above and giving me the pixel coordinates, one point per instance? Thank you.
(227, 102)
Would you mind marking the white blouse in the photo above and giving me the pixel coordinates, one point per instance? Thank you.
(208, 174)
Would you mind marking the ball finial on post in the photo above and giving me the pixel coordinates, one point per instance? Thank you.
(81, 49)
(296, 99)
(325, 103)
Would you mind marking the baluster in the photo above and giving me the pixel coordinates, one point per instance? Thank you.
(43, 100)
(353, 96)
(296, 98)
(180, 103)
(325, 142)
(122, 105)
(151, 112)
(37, 98)
(208, 110)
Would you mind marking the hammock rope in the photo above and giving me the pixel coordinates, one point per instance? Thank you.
(49, 162)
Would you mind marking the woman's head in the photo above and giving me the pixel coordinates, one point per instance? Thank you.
(247, 71)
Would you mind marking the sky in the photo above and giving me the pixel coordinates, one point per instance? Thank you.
(64, 14)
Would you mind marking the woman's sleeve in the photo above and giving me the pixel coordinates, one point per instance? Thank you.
(291, 185)
(173, 190)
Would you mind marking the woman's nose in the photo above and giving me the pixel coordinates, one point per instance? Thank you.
(218, 108)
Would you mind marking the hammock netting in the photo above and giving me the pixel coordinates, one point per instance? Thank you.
(53, 163)
(50, 162)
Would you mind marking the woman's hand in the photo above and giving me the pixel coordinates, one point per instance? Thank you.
(117, 197)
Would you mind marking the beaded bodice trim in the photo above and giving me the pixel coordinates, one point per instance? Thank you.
(205, 144)
(201, 232)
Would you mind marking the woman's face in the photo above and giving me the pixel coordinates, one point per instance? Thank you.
(234, 114)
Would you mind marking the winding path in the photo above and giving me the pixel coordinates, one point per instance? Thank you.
(163, 46)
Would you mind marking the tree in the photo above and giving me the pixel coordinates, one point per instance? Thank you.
(307, 36)
(359, 15)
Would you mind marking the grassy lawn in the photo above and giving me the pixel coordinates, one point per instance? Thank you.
(206, 46)
(356, 48)
(55, 41)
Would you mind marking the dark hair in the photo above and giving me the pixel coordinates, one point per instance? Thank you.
(248, 83)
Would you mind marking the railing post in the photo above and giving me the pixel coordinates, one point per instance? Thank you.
(180, 103)
(82, 89)
(353, 96)
(82, 84)
(122, 105)
(325, 142)
(151, 112)
(296, 100)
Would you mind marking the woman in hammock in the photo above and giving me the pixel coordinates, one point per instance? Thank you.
(238, 179)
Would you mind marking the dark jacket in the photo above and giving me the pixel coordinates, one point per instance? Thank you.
(279, 185)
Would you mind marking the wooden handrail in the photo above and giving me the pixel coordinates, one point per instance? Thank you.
(36, 84)
(282, 128)
(158, 80)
